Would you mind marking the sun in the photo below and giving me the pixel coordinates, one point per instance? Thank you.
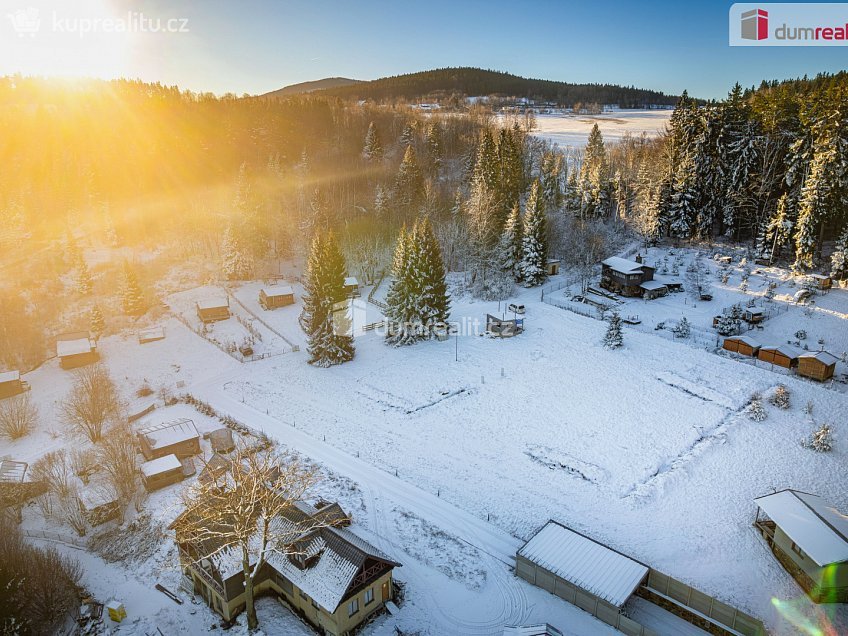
(64, 39)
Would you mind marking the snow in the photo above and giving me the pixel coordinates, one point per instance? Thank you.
(212, 303)
(652, 285)
(748, 340)
(585, 563)
(570, 130)
(623, 265)
(350, 281)
(284, 290)
(532, 630)
(816, 527)
(160, 465)
(73, 347)
(784, 349)
(822, 356)
(10, 376)
(169, 433)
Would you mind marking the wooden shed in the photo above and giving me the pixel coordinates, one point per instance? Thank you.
(76, 350)
(351, 287)
(179, 438)
(274, 297)
(780, 355)
(161, 472)
(11, 384)
(213, 309)
(151, 334)
(754, 315)
(818, 365)
(742, 345)
(222, 440)
(552, 266)
(821, 281)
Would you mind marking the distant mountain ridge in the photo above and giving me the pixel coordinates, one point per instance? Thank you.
(468, 81)
(309, 87)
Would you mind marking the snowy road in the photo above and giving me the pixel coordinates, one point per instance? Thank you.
(454, 614)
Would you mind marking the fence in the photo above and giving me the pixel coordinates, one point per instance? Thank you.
(374, 301)
(292, 345)
(674, 595)
(55, 537)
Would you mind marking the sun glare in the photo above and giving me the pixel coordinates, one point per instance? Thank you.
(86, 38)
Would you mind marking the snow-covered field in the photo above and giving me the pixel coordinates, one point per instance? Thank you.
(448, 465)
(569, 130)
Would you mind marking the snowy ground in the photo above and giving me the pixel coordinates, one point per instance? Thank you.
(447, 465)
(572, 131)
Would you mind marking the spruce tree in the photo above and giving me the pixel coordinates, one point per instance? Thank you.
(96, 322)
(512, 244)
(407, 136)
(402, 295)
(839, 258)
(82, 280)
(684, 203)
(552, 178)
(594, 179)
(433, 141)
(534, 250)
(381, 203)
(409, 184)
(434, 302)
(132, 299)
(340, 347)
(614, 337)
(236, 260)
(373, 150)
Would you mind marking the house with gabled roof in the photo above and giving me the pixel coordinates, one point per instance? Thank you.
(810, 539)
(629, 278)
(818, 365)
(331, 577)
(179, 438)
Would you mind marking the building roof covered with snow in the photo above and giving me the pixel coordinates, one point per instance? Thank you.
(73, 345)
(350, 281)
(748, 340)
(169, 433)
(822, 356)
(213, 303)
(542, 629)
(584, 562)
(10, 376)
(160, 465)
(815, 526)
(652, 285)
(784, 349)
(281, 290)
(623, 265)
(12, 471)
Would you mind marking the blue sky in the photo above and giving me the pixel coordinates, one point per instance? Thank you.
(255, 46)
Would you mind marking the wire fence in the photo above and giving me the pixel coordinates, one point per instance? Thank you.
(55, 537)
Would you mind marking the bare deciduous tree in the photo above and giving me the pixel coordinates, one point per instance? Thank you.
(118, 457)
(53, 469)
(242, 517)
(18, 416)
(92, 403)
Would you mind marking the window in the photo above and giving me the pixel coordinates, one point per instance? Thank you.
(797, 550)
(353, 607)
(369, 595)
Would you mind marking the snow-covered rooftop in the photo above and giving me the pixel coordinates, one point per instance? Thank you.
(585, 563)
(822, 356)
(652, 285)
(623, 265)
(10, 376)
(160, 465)
(283, 290)
(212, 303)
(169, 433)
(785, 349)
(748, 340)
(351, 281)
(73, 347)
(816, 527)
(543, 629)
(11, 470)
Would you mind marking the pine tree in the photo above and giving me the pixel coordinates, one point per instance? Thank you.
(409, 184)
(403, 293)
(820, 440)
(511, 244)
(381, 204)
(780, 397)
(373, 150)
(96, 322)
(132, 299)
(434, 302)
(839, 258)
(534, 251)
(594, 179)
(683, 329)
(433, 141)
(614, 337)
(236, 261)
(324, 317)
(755, 409)
(407, 136)
(684, 204)
(82, 280)
(552, 178)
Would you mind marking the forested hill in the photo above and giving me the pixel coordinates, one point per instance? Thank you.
(308, 87)
(478, 82)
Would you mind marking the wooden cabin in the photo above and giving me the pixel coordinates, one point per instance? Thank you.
(504, 328)
(99, 505)
(653, 289)
(779, 355)
(274, 297)
(213, 309)
(625, 277)
(161, 472)
(753, 315)
(179, 438)
(76, 350)
(333, 579)
(822, 283)
(11, 384)
(818, 365)
(552, 266)
(351, 287)
(809, 538)
(743, 345)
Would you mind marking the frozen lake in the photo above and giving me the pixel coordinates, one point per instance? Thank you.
(572, 131)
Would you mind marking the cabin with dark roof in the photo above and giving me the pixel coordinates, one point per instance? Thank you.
(179, 438)
(625, 277)
(332, 578)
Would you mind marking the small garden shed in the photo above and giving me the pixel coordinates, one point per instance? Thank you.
(213, 309)
(818, 365)
(552, 266)
(274, 297)
(11, 384)
(743, 345)
(780, 355)
(76, 350)
(161, 472)
(179, 438)
(351, 287)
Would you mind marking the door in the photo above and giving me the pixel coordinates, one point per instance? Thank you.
(386, 591)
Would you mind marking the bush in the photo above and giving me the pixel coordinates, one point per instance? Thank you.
(755, 410)
(820, 440)
(780, 397)
(18, 416)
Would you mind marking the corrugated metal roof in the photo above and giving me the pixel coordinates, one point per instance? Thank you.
(815, 526)
(585, 563)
